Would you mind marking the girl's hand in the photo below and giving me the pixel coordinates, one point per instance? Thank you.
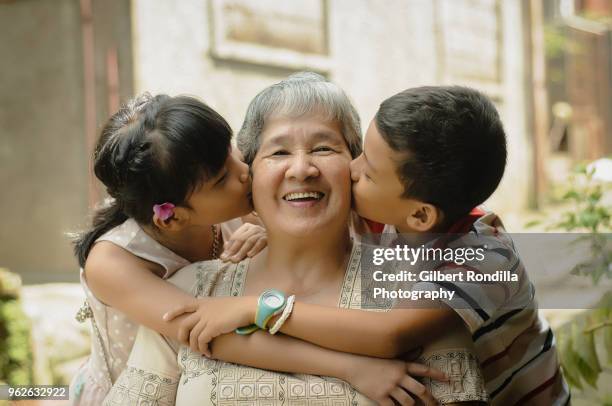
(211, 317)
(387, 381)
(246, 241)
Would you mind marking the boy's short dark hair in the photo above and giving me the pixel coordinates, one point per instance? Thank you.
(453, 145)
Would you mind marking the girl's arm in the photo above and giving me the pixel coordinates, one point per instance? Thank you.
(133, 286)
(377, 334)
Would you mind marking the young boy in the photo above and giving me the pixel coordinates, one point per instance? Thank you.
(431, 156)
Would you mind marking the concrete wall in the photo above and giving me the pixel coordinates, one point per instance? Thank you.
(376, 49)
(43, 148)
(363, 60)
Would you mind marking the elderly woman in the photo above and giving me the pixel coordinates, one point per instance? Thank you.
(299, 137)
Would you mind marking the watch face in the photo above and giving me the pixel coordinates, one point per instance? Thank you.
(273, 301)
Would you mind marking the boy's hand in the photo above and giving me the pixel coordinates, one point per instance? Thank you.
(246, 241)
(211, 317)
(390, 382)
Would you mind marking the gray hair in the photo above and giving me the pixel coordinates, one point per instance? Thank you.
(300, 94)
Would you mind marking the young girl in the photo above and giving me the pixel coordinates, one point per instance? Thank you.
(166, 163)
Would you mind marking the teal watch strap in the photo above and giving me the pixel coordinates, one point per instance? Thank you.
(270, 303)
(246, 330)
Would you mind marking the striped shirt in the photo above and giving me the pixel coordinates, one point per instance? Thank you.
(514, 343)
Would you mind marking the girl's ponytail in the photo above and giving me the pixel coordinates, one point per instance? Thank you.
(110, 173)
(154, 150)
(105, 218)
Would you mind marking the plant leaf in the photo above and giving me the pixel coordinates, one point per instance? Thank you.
(533, 223)
(580, 169)
(584, 346)
(571, 195)
(607, 339)
(569, 359)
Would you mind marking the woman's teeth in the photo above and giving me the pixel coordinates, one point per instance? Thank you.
(304, 196)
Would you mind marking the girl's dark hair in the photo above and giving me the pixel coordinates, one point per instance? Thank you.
(154, 150)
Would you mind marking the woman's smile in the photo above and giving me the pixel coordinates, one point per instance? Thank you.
(306, 198)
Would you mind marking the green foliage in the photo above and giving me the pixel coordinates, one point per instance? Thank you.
(586, 194)
(581, 357)
(15, 346)
(589, 214)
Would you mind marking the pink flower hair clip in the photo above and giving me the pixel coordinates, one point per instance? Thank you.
(164, 211)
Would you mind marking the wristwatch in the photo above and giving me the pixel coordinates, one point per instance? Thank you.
(270, 303)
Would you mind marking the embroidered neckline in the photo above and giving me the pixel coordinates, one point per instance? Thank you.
(350, 275)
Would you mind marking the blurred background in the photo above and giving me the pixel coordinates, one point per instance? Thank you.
(66, 65)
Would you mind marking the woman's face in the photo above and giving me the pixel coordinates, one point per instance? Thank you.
(301, 176)
(225, 196)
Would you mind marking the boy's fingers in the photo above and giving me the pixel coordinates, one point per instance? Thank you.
(246, 247)
(243, 242)
(259, 245)
(387, 402)
(251, 230)
(174, 313)
(401, 397)
(418, 389)
(228, 251)
(414, 368)
(237, 241)
(241, 233)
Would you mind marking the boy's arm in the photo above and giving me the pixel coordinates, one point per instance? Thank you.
(377, 334)
(279, 353)
(378, 379)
